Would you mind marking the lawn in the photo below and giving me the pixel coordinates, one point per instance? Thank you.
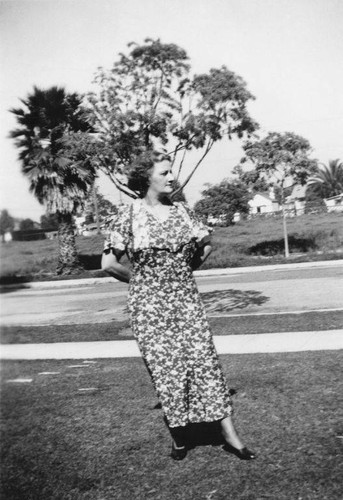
(253, 242)
(260, 241)
(119, 330)
(95, 432)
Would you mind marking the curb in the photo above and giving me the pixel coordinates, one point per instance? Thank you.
(198, 274)
(227, 344)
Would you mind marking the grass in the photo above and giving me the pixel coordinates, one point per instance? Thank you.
(116, 330)
(253, 242)
(260, 241)
(37, 260)
(110, 443)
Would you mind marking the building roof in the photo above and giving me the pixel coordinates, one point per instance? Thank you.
(337, 197)
(264, 195)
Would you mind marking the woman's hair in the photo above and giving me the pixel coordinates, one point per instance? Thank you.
(140, 171)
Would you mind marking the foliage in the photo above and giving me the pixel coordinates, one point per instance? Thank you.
(45, 116)
(178, 194)
(281, 159)
(61, 174)
(149, 101)
(6, 222)
(105, 207)
(252, 179)
(26, 225)
(223, 200)
(54, 153)
(49, 221)
(52, 124)
(314, 203)
(327, 181)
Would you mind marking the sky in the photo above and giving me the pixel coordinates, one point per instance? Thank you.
(290, 53)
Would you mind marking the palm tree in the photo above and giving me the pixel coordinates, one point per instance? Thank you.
(53, 154)
(328, 180)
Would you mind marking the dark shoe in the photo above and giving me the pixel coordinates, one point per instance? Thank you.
(178, 453)
(243, 453)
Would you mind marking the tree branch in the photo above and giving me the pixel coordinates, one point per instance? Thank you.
(208, 148)
(118, 184)
(181, 164)
(122, 187)
(159, 93)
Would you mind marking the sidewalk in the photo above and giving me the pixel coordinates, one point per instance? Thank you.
(229, 344)
(200, 274)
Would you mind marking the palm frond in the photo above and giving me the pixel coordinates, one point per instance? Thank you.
(59, 175)
(328, 180)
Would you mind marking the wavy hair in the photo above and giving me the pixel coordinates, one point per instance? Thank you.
(140, 171)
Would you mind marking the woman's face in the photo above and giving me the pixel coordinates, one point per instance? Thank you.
(161, 179)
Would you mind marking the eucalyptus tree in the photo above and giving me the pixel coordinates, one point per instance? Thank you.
(282, 160)
(150, 101)
(53, 143)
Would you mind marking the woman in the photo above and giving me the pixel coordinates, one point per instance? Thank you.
(164, 242)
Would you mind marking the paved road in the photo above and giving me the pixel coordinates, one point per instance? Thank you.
(249, 293)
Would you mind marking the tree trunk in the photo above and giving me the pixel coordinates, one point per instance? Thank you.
(284, 221)
(285, 234)
(68, 262)
(96, 209)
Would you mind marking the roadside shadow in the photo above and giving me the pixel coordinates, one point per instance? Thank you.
(12, 288)
(228, 300)
(274, 247)
(10, 284)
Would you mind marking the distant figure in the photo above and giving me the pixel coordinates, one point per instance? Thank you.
(165, 242)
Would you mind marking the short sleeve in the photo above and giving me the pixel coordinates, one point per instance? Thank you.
(201, 232)
(118, 230)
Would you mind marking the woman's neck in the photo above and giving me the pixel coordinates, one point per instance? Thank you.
(155, 199)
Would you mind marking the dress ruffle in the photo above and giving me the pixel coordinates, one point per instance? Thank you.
(137, 229)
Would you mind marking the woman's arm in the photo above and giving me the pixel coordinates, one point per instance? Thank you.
(201, 255)
(110, 264)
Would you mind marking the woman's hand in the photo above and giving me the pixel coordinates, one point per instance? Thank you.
(110, 264)
(201, 255)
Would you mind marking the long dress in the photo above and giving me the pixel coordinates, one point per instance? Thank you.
(167, 316)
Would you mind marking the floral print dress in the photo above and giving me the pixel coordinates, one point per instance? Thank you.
(167, 315)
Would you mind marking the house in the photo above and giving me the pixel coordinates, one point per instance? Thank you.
(334, 203)
(295, 202)
(264, 203)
